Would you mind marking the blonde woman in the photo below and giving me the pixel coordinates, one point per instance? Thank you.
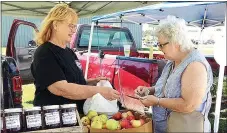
(55, 68)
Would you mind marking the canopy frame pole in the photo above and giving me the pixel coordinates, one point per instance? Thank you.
(204, 18)
(130, 21)
(89, 50)
(219, 92)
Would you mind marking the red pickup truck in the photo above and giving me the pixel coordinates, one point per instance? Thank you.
(124, 72)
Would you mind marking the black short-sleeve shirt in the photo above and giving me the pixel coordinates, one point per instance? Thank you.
(51, 64)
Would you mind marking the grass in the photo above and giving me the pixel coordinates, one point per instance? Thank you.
(3, 52)
(28, 95)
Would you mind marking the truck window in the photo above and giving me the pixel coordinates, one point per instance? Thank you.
(104, 37)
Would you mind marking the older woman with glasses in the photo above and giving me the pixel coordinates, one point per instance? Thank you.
(58, 76)
(181, 98)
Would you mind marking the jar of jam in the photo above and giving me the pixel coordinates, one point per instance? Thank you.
(51, 116)
(13, 119)
(2, 122)
(33, 119)
(68, 113)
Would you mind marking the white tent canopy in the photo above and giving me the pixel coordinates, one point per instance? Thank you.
(84, 9)
(200, 14)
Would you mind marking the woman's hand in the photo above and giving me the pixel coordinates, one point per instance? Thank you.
(94, 81)
(149, 100)
(109, 93)
(141, 91)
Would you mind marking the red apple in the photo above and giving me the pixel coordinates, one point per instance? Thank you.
(124, 115)
(117, 116)
(130, 126)
(125, 123)
(142, 121)
(131, 118)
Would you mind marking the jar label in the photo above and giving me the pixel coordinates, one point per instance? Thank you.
(52, 118)
(12, 121)
(33, 120)
(1, 123)
(69, 117)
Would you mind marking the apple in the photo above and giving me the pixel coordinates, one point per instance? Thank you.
(104, 118)
(129, 113)
(130, 118)
(85, 121)
(130, 126)
(118, 126)
(112, 124)
(117, 116)
(96, 118)
(142, 121)
(136, 123)
(96, 124)
(125, 123)
(104, 126)
(124, 115)
(91, 114)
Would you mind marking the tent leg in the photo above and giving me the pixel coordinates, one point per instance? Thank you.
(218, 98)
(89, 50)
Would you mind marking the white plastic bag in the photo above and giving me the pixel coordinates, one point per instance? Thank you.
(100, 104)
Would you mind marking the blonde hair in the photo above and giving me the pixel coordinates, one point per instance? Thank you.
(59, 12)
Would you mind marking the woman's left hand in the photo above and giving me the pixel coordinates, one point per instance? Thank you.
(101, 78)
(149, 100)
(94, 81)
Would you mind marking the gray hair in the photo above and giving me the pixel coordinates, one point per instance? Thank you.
(175, 31)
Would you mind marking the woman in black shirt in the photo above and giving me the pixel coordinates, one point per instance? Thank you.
(58, 77)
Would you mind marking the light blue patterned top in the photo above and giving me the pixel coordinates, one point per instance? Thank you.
(173, 90)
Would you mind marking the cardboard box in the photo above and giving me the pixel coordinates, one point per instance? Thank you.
(145, 128)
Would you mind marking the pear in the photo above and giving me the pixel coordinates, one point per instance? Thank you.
(96, 124)
(112, 124)
(85, 121)
(91, 114)
(104, 118)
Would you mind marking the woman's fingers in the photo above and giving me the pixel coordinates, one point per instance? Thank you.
(103, 78)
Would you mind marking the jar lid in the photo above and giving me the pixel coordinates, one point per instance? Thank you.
(68, 106)
(33, 109)
(50, 107)
(13, 110)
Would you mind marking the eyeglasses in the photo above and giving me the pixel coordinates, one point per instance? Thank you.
(162, 45)
(72, 26)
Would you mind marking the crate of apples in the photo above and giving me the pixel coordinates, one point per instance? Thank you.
(123, 121)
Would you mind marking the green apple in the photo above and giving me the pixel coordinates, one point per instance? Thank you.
(96, 118)
(91, 114)
(112, 124)
(104, 118)
(96, 124)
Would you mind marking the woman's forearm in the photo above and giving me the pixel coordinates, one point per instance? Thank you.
(78, 92)
(74, 91)
(176, 104)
